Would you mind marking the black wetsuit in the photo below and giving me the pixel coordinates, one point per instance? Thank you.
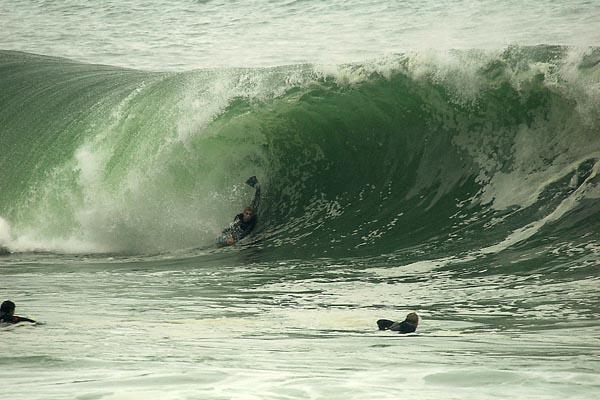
(240, 229)
(402, 327)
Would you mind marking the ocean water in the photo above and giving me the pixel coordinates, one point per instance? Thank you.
(437, 157)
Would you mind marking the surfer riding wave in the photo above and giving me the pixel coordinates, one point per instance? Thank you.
(244, 222)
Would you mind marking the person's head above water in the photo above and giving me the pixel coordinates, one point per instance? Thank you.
(412, 318)
(7, 308)
(7, 314)
(409, 325)
(248, 214)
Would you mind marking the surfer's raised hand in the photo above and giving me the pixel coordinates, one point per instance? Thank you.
(252, 181)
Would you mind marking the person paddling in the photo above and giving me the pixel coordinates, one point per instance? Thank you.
(7, 314)
(409, 325)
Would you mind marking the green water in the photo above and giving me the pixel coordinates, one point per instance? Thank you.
(408, 163)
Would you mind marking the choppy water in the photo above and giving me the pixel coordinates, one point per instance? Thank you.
(441, 158)
(176, 34)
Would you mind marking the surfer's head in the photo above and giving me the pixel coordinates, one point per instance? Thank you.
(7, 308)
(413, 318)
(248, 214)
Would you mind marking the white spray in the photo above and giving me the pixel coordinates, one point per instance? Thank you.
(5, 236)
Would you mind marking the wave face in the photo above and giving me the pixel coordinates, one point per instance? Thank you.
(462, 152)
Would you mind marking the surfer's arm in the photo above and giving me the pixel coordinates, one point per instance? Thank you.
(17, 319)
(256, 201)
(234, 231)
(384, 324)
(232, 226)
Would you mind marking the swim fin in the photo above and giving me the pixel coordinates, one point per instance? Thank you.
(252, 181)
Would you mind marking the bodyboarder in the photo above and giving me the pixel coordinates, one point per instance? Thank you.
(244, 222)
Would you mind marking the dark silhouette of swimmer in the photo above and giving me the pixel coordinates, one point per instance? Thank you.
(244, 222)
(7, 314)
(409, 325)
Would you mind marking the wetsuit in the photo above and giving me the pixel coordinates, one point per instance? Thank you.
(402, 327)
(241, 229)
(238, 228)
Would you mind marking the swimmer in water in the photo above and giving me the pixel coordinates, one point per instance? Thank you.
(7, 314)
(409, 325)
